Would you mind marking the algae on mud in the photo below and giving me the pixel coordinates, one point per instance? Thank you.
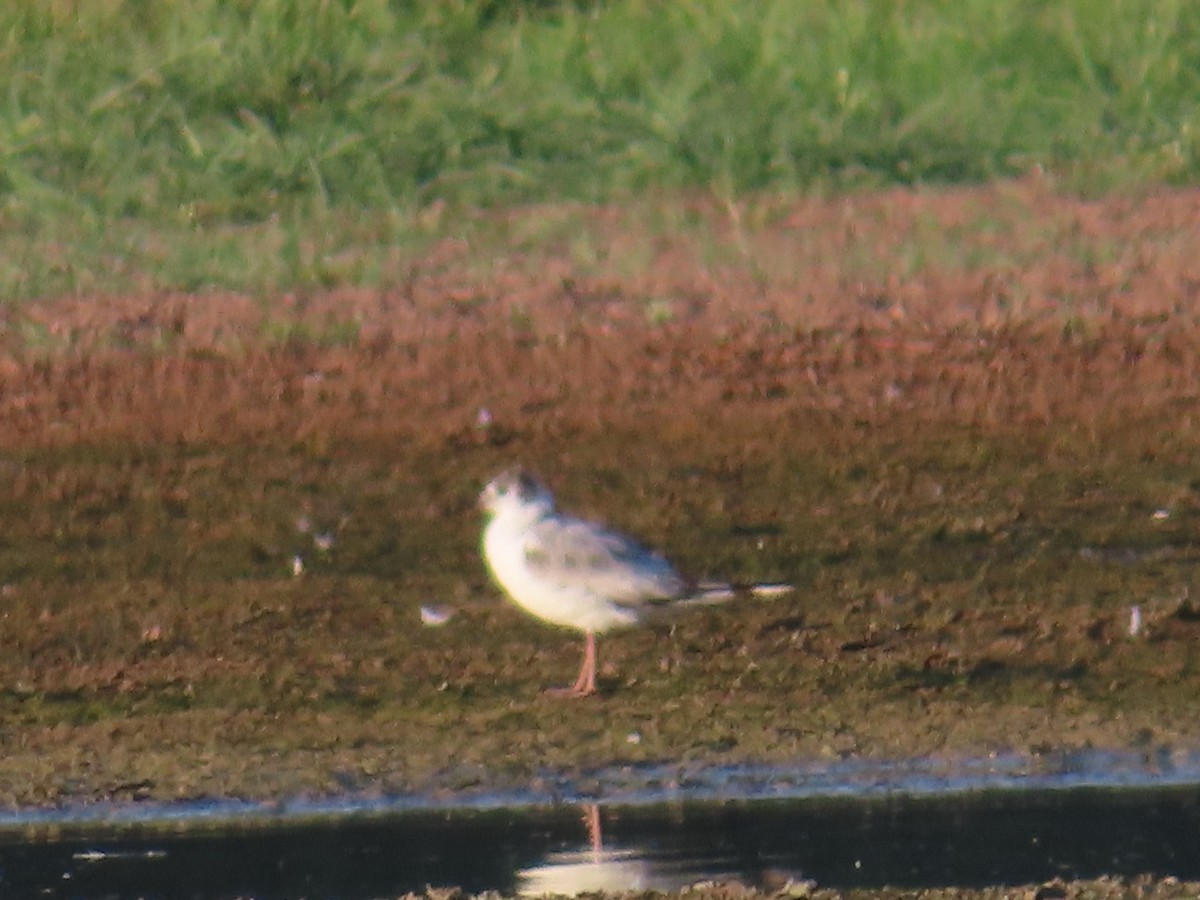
(971, 498)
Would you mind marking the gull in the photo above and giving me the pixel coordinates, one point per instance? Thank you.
(580, 574)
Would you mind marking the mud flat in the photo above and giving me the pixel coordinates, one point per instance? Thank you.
(962, 423)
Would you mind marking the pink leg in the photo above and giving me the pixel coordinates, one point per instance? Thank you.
(585, 684)
(591, 821)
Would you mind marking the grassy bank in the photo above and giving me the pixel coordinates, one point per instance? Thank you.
(274, 145)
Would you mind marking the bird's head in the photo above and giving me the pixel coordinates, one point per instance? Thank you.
(516, 491)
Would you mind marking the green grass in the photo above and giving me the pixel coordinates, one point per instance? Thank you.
(264, 145)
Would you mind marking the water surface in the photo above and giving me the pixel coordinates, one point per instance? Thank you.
(913, 825)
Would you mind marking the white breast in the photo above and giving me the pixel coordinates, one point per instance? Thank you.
(568, 606)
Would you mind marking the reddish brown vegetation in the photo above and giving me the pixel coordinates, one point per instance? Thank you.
(1026, 307)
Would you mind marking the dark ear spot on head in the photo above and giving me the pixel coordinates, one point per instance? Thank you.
(526, 484)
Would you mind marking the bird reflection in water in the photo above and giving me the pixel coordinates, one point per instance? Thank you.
(593, 869)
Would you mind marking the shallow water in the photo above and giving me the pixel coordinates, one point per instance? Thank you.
(918, 823)
(975, 839)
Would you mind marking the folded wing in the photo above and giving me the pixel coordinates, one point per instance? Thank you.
(584, 555)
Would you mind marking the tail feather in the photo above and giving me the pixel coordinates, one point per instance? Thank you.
(766, 591)
(720, 592)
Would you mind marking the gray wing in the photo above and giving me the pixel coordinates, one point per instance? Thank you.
(575, 553)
